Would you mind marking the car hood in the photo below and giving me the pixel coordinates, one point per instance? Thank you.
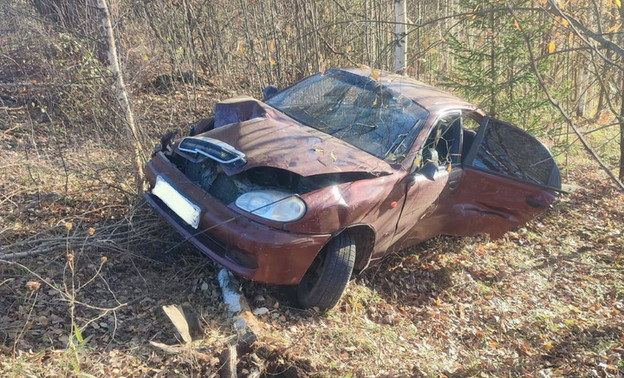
(272, 139)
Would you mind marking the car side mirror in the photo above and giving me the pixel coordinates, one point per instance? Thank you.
(429, 170)
(269, 91)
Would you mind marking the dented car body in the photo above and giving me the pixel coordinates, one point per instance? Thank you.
(329, 175)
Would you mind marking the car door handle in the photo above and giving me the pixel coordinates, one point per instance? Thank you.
(453, 184)
(536, 202)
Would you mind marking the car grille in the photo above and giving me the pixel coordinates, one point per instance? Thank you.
(209, 175)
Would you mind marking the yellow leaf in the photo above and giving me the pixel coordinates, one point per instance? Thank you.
(69, 225)
(449, 167)
(348, 48)
(318, 149)
(333, 155)
(548, 345)
(618, 3)
(363, 67)
(91, 231)
(145, 58)
(493, 344)
(271, 46)
(240, 49)
(375, 74)
(551, 47)
(517, 24)
(615, 27)
(570, 37)
(564, 22)
(272, 61)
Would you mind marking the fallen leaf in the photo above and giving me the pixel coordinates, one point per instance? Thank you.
(33, 285)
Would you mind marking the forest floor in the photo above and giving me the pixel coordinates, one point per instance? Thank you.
(547, 298)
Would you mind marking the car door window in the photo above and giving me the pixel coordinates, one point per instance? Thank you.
(469, 132)
(506, 150)
(443, 145)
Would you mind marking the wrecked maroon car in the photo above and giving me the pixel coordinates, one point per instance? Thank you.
(327, 176)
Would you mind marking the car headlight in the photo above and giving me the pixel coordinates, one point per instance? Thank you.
(272, 204)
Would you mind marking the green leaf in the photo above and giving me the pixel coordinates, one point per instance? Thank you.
(78, 334)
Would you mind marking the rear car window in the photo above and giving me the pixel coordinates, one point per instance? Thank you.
(509, 151)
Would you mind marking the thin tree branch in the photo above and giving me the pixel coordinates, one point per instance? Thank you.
(557, 105)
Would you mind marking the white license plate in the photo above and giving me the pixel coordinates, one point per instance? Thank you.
(187, 210)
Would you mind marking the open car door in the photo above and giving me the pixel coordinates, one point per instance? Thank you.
(508, 178)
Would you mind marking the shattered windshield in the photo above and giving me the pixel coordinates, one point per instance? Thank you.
(356, 109)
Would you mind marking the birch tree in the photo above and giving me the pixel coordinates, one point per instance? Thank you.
(122, 93)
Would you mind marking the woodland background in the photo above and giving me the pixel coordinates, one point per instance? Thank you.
(85, 265)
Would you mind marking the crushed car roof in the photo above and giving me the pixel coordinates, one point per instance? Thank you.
(431, 98)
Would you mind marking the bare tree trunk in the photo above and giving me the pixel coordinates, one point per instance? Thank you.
(621, 174)
(621, 117)
(493, 74)
(400, 14)
(583, 88)
(122, 94)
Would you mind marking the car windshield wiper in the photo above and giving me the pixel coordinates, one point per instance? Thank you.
(398, 142)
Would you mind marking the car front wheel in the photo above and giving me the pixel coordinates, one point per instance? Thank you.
(328, 276)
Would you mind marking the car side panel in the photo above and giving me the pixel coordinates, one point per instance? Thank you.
(422, 200)
(486, 203)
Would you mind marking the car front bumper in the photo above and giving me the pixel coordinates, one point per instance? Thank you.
(247, 248)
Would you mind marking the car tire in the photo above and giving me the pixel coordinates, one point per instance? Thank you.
(328, 276)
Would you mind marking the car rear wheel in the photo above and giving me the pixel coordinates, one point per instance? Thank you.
(328, 276)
